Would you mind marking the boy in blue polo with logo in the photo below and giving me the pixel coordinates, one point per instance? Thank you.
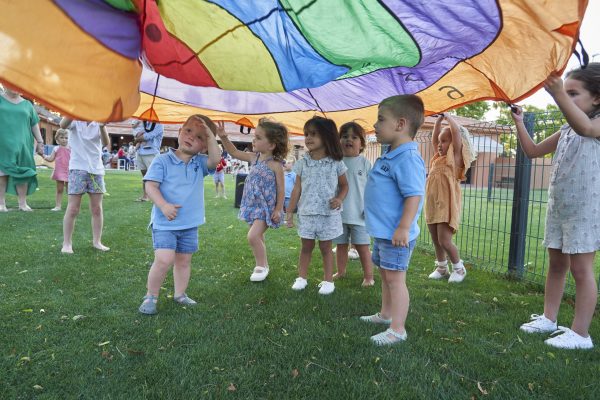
(175, 184)
(393, 201)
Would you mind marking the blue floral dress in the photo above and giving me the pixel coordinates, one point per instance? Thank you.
(260, 194)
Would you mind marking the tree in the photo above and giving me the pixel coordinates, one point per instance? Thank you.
(475, 110)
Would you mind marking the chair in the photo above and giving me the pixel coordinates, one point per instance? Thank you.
(122, 163)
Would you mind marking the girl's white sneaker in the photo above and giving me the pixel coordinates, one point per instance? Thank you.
(326, 287)
(565, 338)
(299, 284)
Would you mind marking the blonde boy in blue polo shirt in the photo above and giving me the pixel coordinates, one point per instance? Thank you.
(175, 184)
(393, 202)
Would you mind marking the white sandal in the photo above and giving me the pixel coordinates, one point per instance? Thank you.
(440, 266)
(383, 338)
(259, 274)
(375, 319)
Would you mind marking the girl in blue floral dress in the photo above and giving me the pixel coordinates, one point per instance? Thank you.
(262, 201)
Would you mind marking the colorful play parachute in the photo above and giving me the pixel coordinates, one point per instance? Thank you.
(239, 60)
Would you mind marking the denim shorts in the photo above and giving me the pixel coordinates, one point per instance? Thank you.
(355, 234)
(390, 257)
(182, 241)
(81, 182)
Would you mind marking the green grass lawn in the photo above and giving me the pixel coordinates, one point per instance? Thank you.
(70, 326)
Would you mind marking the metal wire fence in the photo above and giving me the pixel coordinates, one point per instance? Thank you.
(504, 200)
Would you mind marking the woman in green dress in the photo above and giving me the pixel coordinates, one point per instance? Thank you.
(18, 129)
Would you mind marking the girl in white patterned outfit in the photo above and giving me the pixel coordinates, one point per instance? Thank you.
(572, 233)
(319, 191)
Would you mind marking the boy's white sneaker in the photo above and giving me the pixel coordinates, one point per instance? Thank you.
(299, 284)
(326, 287)
(539, 324)
(565, 338)
(353, 254)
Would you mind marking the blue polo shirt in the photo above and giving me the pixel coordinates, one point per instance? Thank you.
(396, 175)
(181, 184)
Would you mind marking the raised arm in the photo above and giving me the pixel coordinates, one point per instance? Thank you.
(456, 136)
(65, 122)
(214, 152)
(104, 135)
(577, 119)
(530, 148)
(437, 129)
(229, 147)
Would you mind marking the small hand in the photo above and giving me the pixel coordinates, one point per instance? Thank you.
(516, 112)
(553, 84)
(206, 131)
(289, 220)
(400, 238)
(170, 210)
(221, 129)
(335, 203)
(39, 149)
(276, 216)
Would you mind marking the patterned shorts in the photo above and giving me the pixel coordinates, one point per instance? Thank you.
(81, 182)
(219, 177)
(321, 227)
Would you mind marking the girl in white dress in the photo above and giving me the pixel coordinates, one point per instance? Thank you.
(572, 233)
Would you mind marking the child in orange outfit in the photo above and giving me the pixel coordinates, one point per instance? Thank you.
(443, 198)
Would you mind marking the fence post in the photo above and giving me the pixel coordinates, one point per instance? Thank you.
(490, 181)
(518, 226)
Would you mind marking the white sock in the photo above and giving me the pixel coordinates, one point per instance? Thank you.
(458, 265)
